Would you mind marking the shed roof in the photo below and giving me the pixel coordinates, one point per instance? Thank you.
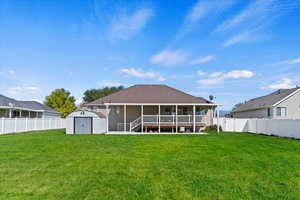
(148, 94)
(266, 101)
(30, 105)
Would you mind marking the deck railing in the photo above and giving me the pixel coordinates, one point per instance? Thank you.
(171, 119)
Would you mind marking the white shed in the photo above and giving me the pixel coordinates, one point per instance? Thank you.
(85, 122)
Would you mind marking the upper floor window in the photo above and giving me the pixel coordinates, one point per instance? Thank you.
(281, 111)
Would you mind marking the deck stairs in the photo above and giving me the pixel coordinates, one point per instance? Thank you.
(134, 125)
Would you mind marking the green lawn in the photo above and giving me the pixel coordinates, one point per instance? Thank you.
(52, 165)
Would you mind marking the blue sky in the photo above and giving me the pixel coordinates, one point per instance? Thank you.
(232, 49)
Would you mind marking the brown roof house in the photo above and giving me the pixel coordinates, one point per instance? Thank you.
(153, 109)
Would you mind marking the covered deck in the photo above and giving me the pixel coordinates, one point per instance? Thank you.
(163, 118)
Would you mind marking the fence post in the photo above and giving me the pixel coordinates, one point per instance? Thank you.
(16, 124)
(43, 123)
(35, 123)
(234, 125)
(26, 124)
(2, 131)
(256, 121)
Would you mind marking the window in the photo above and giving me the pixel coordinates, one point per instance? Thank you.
(269, 112)
(281, 111)
(185, 111)
(168, 111)
(201, 111)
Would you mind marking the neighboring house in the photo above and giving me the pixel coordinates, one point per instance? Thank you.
(147, 108)
(284, 103)
(12, 108)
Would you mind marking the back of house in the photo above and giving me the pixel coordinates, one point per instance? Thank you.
(152, 109)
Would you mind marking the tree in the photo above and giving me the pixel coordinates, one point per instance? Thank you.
(93, 94)
(61, 101)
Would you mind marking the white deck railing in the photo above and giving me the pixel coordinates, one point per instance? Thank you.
(171, 119)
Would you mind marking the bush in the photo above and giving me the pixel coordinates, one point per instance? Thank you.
(212, 128)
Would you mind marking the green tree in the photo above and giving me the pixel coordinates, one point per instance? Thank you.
(93, 94)
(62, 101)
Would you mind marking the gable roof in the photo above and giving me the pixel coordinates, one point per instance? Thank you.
(148, 94)
(266, 101)
(30, 105)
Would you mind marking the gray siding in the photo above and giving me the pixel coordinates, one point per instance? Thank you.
(293, 106)
(259, 113)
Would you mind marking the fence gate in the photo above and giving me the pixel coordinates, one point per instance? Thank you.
(83, 125)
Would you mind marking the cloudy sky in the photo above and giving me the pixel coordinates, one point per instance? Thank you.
(232, 49)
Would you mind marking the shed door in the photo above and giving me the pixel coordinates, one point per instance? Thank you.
(82, 125)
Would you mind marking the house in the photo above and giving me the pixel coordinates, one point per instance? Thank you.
(11, 108)
(283, 103)
(148, 108)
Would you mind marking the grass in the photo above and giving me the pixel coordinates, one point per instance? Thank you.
(52, 165)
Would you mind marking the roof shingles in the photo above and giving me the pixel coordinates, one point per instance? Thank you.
(31, 105)
(148, 94)
(266, 101)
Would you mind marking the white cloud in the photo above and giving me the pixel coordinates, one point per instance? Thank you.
(141, 74)
(260, 13)
(200, 10)
(210, 81)
(243, 37)
(181, 76)
(125, 26)
(202, 60)
(203, 7)
(30, 90)
(216, 74)
(219, 77)
(109, 84)
(11, 72)
(169, 58)
(258, 9)
(291, 62)
(284, 83)
(239, 74)
(250, 25)
(201, 73)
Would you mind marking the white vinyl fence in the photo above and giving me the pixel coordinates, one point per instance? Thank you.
(279, 127)
(17, 125)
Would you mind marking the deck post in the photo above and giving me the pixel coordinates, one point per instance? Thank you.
(107, 112)
(124, 118)
(10, 113)
(158, 118)
(218, 120)
(194, 118)
(176, 125)
(142, 118)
